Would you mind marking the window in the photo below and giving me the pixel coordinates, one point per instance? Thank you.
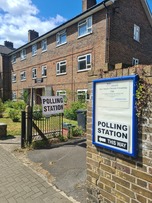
(61, 67)
(61, 38)
(82, 95)
(23, 76)
(62, 93)
(34, 73)
(44, 45)
(13, 58)
(85, 27)
(84, 62)
(23, 54)
(44, 71)
(14, 96)
(136, 33)
(135, 61)
(13, 77)
(34, 49)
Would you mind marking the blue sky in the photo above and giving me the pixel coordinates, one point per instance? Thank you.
(19, 16)
(66, 8)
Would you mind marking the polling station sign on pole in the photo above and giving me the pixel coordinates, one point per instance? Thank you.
(114, 114)
(52, 105)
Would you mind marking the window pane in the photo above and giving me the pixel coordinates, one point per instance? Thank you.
(82, 30)
(82, 65)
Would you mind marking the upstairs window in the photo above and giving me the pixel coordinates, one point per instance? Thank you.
(85, 27)
(44, 45)
(13, 58)
(61, 38)
(44, 71)
(135, 61)
(23, 75)
(61, 67)
(34, 73)
(136, 32)
(13, 77)
(84, 62)
(34, 49)
(62, 93)
(82, 95)
(23, 54)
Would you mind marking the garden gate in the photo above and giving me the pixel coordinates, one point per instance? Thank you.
(33, 124)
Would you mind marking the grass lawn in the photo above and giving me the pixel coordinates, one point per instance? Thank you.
(14, 128)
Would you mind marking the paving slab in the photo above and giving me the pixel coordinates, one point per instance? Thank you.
(18, 183)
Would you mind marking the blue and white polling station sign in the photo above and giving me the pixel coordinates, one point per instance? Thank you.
(114, 114)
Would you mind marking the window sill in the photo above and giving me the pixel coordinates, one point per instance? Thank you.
(85, 70)
(23, 80)
(43, 51)
(23, 59)
(34, 55)
(61, 44)
(61, 74)
(44, 76)
(84, 35)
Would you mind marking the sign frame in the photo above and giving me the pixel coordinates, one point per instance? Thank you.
(132, 81)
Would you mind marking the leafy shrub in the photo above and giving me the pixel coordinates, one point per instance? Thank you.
(15, 115)
(37, 112)
(20, 105)
(77, 131)
(70, 113)
(2, 108)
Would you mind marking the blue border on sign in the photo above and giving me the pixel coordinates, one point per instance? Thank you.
(134, 78)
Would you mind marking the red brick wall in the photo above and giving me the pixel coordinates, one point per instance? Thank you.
(122, 45)
(113, 177)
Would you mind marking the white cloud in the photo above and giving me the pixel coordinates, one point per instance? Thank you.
(19, 16)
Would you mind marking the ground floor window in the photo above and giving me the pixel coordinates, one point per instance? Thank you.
(82, 95)
(62, 93)
(14, 97)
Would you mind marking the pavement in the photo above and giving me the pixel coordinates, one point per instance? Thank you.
(29, 176)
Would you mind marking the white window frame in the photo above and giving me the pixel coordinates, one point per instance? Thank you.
(23, 54)
(44, 71)
(87, 24)
(14, 96)
(23, 76)
(135, 61)
(82, 92)
(59, 66)
(34, 73)
(59, 38)
(62, 93)
(13, 58)
(84, 58)
(34, 49)
(136, 33)
(13, 77)
(44, 45)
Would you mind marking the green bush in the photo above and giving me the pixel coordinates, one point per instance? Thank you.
(70, 113)
(2, 108)
(37, 112)
(15, 115)
(77, 131)
(20, 105)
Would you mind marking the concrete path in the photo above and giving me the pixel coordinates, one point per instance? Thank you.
(18, 183)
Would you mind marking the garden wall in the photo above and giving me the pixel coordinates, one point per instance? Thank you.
(111, 176)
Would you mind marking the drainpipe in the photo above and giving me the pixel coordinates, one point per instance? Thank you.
(107, 32)
(107, 37)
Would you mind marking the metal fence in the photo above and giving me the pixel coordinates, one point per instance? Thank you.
(34, 125)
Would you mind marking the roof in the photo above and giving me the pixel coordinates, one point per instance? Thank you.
(147, 10)
(81, 16)
(5, 50)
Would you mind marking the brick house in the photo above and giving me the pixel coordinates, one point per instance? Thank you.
(5, 71)
(104, 34)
